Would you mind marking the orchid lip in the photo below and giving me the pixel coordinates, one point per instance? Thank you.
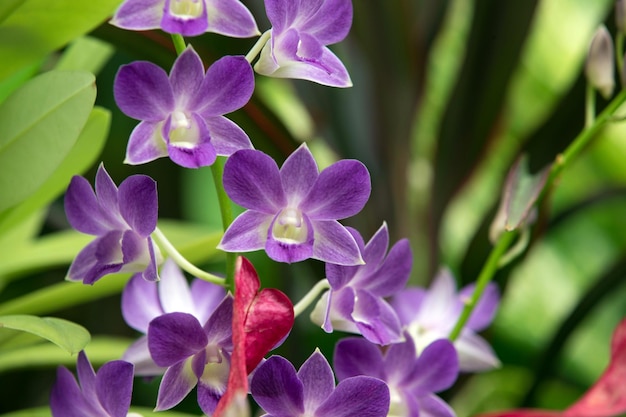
(186, 9)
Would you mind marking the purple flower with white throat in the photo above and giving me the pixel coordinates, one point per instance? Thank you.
(182, 115)
(187, 17)
(143, 301)
(301, 29)
(123, 220)
(431, 314)
(106, 393)
(293, 212)
(311, 391)
(412, 380)
(194, 353)
(355, 303)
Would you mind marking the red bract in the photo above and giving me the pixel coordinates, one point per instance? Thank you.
(260, 320)
(606, 398)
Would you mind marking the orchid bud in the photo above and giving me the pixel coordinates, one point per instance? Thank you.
(599, 67)
(620, 16)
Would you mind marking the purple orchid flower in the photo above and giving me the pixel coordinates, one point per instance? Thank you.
(103, 394)
(301, 29)
(187, 17)
(194, 354)
(355, 301)
(311, 392)
(144, 301)
(293, 212)
(412, 379)
(431, 314)
(182, 115)
(123, 221)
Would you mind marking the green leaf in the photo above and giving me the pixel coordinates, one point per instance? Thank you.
(82, 156)
(85, 54)
(65, 334)
(7, 7)
(39, 124)
(39, 27)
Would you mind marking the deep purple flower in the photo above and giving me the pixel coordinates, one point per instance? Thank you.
(123, 221)
(431, 314)
(412, 379)
(301, 29)
(194, 354)
(293, 212)
(144, 301)
(182, 115)
(103, 394)
(355, 301)
(187, 17)
(311, 392)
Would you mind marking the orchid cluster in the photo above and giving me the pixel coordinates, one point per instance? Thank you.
(215, 334)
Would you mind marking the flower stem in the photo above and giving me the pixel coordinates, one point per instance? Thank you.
(226, 209)
(486, 274)
(181, 261)
(179, 43)
(260, 43)
(590, 105)
(310, 297)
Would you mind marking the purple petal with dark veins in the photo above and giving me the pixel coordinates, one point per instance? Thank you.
(177, 382)
(140, 303)
(86, 376)
(106, 193)
(203, 154)
(252, 180)
(174, 337)
(83, 210)
(139, 203)
(151, 273)
(114, 385)
(394, 272)
(317, 380)
(399, 362)
(431, 405)
(146, 143)
(205, 298)
(83, 263)
(355, 356)
(186, 77)
(208, 398)
(227, 86)
(139, 355)
(219, 326)
(66, 399)
(226, 137)
(340, 191)
(331, 22)
(277, 389)
(281, 13)
(184, 25)
(376, 320)
(139, 15)
(436, 369)
(333, 243)
(231, 18)
(248, 232)
(298, 174)
(359, 396)
(142, 91)
(374, 254)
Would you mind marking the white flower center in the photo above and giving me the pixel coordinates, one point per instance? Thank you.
(186, 9)
(184, 133)
(216, 369)
(290, 226)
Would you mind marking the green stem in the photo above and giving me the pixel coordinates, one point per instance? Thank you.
(590, 105)
(179, 43)
(487, 273)
(258, 46)
(181, 261)
(310, 297)
(226, 209)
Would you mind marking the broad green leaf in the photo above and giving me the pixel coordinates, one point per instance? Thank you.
(39, 124)
(81, 157)
(21, 234)
(18, 78)
(7, 7)
(39, 27)
(65, 334)
(86, 54)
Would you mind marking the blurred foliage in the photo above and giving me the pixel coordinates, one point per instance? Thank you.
(447, 94)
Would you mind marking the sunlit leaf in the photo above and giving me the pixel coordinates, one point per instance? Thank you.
(7, 7)
(86, 54)
(65, 334)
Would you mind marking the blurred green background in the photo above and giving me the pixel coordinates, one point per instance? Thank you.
(447, 94)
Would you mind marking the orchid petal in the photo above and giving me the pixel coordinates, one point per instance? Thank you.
(139, 204)
(277, 389)
(219, 325)
(375, 319)
(186, 77)
(86, 375)
(174, 293)
(475, 354)
(205, 297)
(142, 91)
(139, 355)
(66, 399)
(334, 244)
(394, 273)
(248, 232)
(436, 368)
(140, 303)
(433, 406)
(174, 337)
(283, 250)
(107, 195)
(146, 143)
(485, 309)
(83, 263)
(231, 18)
(298, 174)
(407, 304)
(317, 380)
(184, 25)
(114, 385)
(83, 209)
(355, 356)
(138, 15)
(208, 397)
(177, 382)
(227, 86)
(361, 396)
(331, 22)
(226, 136)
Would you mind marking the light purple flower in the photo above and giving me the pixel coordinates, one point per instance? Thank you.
(412, 380)
(144, 301)
(293, 212)
(311, 392)
(355, 301)
(123, 221)
(187, 17)
(194, 353)
(103, 394)
(182, 115)
(301, 29)
(431, 314)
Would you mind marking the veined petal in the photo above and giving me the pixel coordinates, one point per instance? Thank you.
(231, 18)
(174, 337)
(140, 303)
(205, 298)
(208, 397)
(84, 262)
(185, 17)
(177, 382)
(277, 389)
(399, 362)
(186, 77)
(282, 13)
(107, 193)
(432, 405)
(475, 354)
(226, 137)
(436, 368)
(146, 143)
(219, 326)
(142, 91)
(252, 180)
(248, 232)
(66, 398)
(114, 386)
(317, 380)
(331, 22)
(173, 290)
(333, 243)
(150, 273)
(374, 253)
(228, 86)
(138, 15)
(139, 204)
(393, 274)
(139, 355)
(83, 210)
(361, 396)
(340, 191)
(356, 356)
(298, 174)
(441, 306)
(375, 319)
(407, 303)
(86, 376)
